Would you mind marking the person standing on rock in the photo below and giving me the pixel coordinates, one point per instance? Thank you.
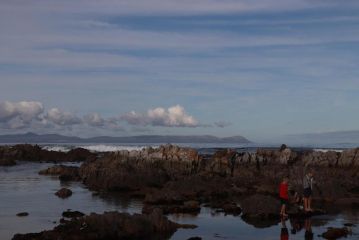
(283, 195)
(308, 190)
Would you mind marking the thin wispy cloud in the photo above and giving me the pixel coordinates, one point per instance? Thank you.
(239, 62)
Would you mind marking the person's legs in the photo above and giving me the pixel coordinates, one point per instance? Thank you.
(310, 204)
(282, 210)
(305, 204)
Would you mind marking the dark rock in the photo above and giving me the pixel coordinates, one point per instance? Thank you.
(63, 221)
(300, 214)
(34, 153)
(22, 214)
(194, 238)
(260, 210)
(231, 208)
(65, 173)
(260, 205)
(130, 171)
(189, 207)
(110, 225)
(227, 207)
(349, 225)
(335, 233)
(64, 193)
(7, 162)
(72, 214)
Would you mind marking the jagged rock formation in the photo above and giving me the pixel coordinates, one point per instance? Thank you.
(110, 226)
(172, 176)
(133, 170)
(65, 173)
(34, 153)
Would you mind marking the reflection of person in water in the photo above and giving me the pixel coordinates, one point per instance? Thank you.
(308, 229)
(299, 223)
(296, 224)
(284, 235)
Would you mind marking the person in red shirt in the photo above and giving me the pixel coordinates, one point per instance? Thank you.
(283, 195)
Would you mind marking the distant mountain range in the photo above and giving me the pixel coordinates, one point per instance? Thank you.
(56, 138)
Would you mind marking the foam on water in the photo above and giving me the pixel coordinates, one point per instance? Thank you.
(328, 150)
(95, 147)
(57, 148)
(112, 148)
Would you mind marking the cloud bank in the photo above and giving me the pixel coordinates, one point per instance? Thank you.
(175, 116)
(15, 115)
(33, 116)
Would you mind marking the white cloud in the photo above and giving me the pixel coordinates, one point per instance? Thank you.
(94, 119)
(32, 116)
(16, 115)
(62, 118)
(175, 116)
(26, 111)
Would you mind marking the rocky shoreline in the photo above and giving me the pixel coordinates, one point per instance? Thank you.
(34, 153)
(110, 226)
(171, 179)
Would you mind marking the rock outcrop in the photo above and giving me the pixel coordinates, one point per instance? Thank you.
(169, 176)
(65, 173)
(34, 153)
(133, 170)
(260, 210)
(110, 225)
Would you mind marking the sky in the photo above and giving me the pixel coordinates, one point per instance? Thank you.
(256, 68)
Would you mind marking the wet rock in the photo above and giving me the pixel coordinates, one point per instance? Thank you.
(7, 162)
(164, 197)
(34, 153)
(231, 208)
(64, 193)
(260, 210)
(335, 233)
(22, 214)
(349, 225)
(227, 207)
(189, 207)
(110, 225)
(300, 214)
(65, 173)
(72, 214)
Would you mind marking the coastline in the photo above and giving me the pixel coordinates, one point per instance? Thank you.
(179, 180)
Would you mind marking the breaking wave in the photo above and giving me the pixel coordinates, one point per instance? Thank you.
(94, 148)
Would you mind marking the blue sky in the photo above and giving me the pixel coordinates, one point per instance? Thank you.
(255, 68)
